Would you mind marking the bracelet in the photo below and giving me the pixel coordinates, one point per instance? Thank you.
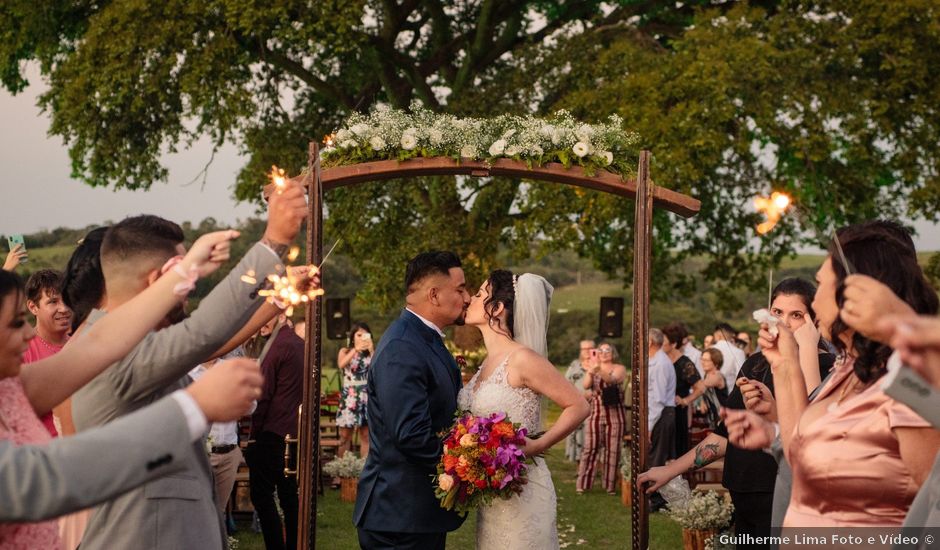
(188, 283)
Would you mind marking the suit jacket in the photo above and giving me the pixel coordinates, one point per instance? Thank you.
(39, 482)
(412, 387)
(176, 511)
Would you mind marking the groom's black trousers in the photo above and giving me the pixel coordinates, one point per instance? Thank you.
(382, 540)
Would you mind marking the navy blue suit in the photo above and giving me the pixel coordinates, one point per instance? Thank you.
(413, 385)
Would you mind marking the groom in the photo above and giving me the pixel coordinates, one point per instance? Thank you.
(413, 385)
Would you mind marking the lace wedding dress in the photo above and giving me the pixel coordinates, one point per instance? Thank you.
(525, 521)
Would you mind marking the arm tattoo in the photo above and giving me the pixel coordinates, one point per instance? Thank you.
(704, 455)
(279, 248)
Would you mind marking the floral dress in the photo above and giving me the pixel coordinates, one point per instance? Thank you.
(22, 427)
(353, 397)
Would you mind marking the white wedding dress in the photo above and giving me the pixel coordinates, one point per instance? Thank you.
(525, 521)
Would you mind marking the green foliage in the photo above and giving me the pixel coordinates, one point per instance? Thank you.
(833, 102)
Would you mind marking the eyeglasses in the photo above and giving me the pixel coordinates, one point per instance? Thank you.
(605, 350)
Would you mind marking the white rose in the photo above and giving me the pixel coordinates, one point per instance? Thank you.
(608, 157)
(581, 149)
(377, 143)
(359, 129)
(547, 131)
(408, 141)
(512, 151)
(584, 132)
(556, 137)
(436, 136)
(468, 151)
(536, 150)
(498, 147)
(445, 482)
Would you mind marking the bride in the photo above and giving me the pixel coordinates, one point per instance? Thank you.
(512, 313)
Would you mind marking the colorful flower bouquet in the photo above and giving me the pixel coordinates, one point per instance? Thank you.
(482, 460)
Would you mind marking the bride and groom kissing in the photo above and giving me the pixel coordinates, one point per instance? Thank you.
(414, 389)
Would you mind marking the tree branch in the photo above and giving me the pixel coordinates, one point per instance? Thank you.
(288, 65)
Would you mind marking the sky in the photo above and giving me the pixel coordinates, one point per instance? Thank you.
(37, 192)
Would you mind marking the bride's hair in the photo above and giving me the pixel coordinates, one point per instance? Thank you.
(502, 291)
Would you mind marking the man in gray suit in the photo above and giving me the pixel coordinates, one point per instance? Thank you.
(175, 511)
(39, 482)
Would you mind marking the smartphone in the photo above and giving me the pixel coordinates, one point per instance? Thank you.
(366, 336)
(14, 240)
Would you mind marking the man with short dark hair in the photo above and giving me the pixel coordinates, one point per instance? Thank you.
(52, 323)
(412, 389)
(177, 511)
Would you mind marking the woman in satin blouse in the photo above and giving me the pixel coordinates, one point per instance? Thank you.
(858, 456)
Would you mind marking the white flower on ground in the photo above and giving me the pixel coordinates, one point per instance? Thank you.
(377, 143)
(468, 151)
(408, 141)
(498, 147)
(436, 136)
(608, 157)
(581, 149)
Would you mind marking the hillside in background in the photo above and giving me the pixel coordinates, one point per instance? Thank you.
(578, 288)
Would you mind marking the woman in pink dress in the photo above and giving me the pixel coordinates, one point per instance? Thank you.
(858, 457)
(26, 393)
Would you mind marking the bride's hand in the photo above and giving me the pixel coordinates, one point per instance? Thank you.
(532, 448)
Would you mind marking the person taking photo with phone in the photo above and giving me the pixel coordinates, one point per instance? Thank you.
(603, 382)
(354, 361)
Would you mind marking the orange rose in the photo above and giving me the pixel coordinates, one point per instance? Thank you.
(450, 462)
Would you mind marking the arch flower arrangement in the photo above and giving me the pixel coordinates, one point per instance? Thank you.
(392, 134)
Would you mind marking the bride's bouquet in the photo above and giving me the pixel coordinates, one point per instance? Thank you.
(482, 459)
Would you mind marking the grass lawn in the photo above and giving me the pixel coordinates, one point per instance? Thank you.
(592, 520)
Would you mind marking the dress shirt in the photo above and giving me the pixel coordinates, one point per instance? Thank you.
(282, 393)
(661, 392)
(222, 433)
(732, 360)
(428, 323)
(195, 419)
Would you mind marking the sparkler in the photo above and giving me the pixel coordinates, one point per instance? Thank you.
(278, 178)
(845, 262)
(773, 208)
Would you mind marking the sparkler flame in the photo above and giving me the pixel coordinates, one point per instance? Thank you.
(773, 208)
(288, 291)
(278, 178)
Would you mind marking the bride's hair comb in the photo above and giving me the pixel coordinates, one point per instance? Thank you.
(515, 285)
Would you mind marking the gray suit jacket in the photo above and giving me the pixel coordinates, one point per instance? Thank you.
(39, 482)
(176, 511)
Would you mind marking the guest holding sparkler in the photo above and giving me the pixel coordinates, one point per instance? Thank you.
(870, 451)
(750, 475)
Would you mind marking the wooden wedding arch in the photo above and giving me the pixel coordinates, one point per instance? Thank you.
(647, 196)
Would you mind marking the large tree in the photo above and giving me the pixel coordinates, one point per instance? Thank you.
(833, 101)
